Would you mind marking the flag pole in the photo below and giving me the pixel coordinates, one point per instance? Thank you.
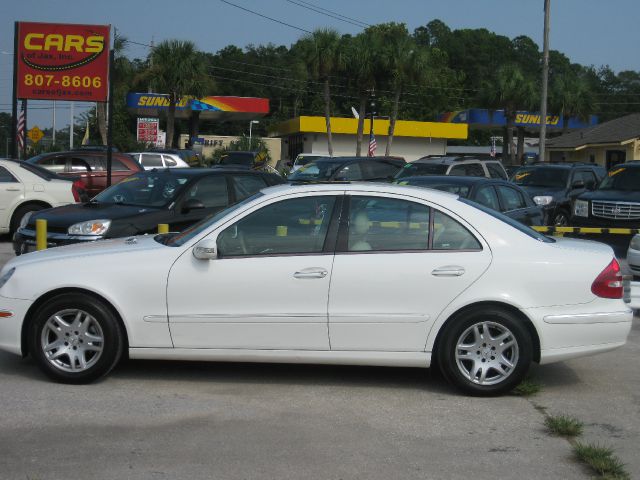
(14, 104)
(24, 130)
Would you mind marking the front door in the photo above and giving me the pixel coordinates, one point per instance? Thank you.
(399, 265)
(269, 287)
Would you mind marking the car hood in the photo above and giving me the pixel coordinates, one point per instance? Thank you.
(67, 215)
(136, 244)
(612, 195)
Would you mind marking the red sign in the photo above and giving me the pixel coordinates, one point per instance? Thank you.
(63, 61)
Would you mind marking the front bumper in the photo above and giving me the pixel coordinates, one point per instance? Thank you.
(592, 221)
(11, 327)
(24, 240)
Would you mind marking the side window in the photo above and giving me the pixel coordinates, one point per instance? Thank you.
(168, 161)
(487, 196)
(246, 185)
(79, 165)
(117, 165)
(511, 198)
(54, 164)
(6, 177)
(350, 172)
(384, 224)
(590, 180)
(495, 170)
(448, 234)
(458, 170)
(210, 190)
(474, 170)
(291, 226)
(95, 163)
(151, 160)
(379, 170)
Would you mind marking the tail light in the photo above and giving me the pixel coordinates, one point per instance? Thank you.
(609, 283)
(79, 192)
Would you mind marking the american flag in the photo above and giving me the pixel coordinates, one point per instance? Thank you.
(372, 145)
(20, 131)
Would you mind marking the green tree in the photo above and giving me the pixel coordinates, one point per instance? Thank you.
(177, 69)
(570, 96)
(324, 56)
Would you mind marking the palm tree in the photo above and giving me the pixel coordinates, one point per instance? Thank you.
(571, 97)
(323, 56)
(361, 65)
(510, 90)
(177, 69)
(405, 63)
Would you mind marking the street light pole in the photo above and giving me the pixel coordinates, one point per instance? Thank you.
(545, 81)
(251, 125)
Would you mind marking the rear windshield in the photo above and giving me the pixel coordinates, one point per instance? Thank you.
(621, 178)
(321, 170)
(541, 177)
(530, 232)
(461, 190)
(414, 169)
(41, 172)
(238, 158)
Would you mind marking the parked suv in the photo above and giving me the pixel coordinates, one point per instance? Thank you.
(615, 203)
(329, 169)
(460, 166)
(88, 165)
(554, 186)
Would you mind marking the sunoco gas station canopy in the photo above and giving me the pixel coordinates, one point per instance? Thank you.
(210, 108)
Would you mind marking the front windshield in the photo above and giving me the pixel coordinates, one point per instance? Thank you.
(195, 229)
(149, 189)
(621, 178)
(541, 177)
(414, 169)
(322, 170)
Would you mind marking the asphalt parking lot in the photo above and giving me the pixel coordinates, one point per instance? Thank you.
(151, 420)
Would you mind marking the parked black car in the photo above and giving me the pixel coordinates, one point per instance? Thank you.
(178, 197)
(328, 169)
(615, 203)
(554, 186)
(496, 194)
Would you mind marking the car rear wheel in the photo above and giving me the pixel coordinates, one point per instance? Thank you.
(485, 351)
(75, 338)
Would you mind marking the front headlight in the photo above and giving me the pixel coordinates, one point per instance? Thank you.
(543, 200)
(92, 227)
(5, 278)
(581, 208)
(635, 242)
(25, 219)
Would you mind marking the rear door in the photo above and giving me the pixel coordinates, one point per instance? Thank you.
(515, 206)
(398, 264)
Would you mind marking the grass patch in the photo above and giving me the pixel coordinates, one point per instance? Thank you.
(564, 426)
(601, 460)
(528, 387)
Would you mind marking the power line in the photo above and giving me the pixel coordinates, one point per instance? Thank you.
(335, 13)
(265, 16)
(357, 23)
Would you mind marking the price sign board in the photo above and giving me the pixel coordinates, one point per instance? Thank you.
(63, 61)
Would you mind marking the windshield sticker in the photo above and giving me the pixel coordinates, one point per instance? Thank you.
(520, 176)
(615, 172)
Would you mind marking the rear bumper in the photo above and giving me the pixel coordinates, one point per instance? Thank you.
(566, 332)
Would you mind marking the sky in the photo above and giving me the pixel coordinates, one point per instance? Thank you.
(590, 32)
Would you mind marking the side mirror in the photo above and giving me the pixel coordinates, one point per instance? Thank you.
(192, 204)
(206, 250)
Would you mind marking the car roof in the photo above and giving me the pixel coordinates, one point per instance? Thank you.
(560, 166)
(452, 179)
(194, 172)
(448, 160)
(356, 159)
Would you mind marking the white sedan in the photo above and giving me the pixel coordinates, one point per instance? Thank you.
(359, 274)
(151, 160)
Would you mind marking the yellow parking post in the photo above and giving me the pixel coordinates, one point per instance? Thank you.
(41, 234)
(163, 228)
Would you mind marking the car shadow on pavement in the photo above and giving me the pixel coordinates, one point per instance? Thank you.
(556, 374)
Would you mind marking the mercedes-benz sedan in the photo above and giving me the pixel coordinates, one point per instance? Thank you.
(360, 274)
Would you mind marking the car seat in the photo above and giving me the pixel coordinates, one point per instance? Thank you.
(358, 229)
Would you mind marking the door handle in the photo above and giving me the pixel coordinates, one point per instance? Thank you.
(12, 190)
(312, 272)
(448, 271)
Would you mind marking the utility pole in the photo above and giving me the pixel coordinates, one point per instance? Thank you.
(545, 82)
(71, 128)
(53, 135)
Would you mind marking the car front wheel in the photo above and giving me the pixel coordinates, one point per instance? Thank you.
(75, 338)
(485, 352)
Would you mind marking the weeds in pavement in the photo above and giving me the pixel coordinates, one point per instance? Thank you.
(602, 460)
(564, 426)
(528, 387)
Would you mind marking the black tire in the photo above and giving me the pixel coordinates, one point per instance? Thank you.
(20, 212)
(79, 342)
(560, 218)
(483, 355)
